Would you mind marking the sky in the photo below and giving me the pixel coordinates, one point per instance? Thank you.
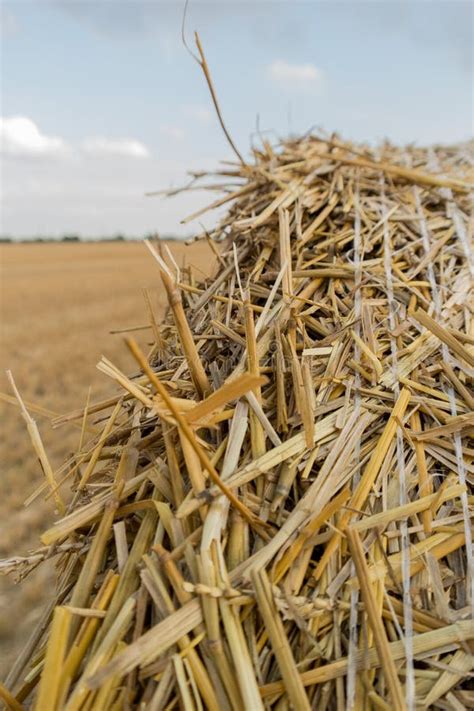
(100, 102)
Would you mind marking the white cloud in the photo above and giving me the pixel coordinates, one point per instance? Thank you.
(173, 132)
(199, 113)
(124, 147)
(20, 136)
(301, 74)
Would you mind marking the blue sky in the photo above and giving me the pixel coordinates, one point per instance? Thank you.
(101, 102)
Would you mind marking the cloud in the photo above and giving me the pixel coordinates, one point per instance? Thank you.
(130, 22)
(300, 74)
(124, 147)
(20, 136)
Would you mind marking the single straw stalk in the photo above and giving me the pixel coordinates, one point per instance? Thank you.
(38, 447)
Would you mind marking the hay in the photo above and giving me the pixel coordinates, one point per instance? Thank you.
(275, 509)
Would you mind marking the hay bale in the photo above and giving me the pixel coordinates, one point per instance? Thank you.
(275, 510)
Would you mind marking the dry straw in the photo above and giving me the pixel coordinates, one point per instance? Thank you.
(275, 509)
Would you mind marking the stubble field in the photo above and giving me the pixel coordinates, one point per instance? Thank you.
(59, 303)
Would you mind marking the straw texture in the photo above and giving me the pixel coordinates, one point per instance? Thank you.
(277, 512)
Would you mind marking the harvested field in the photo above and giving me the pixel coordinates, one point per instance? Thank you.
(275, 509)
(58, 304)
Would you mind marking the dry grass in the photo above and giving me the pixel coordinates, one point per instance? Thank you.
(58, 303)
